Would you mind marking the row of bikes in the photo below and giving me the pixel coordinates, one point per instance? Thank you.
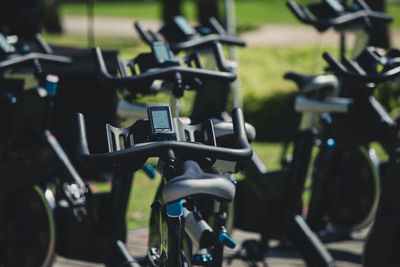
(58, 111)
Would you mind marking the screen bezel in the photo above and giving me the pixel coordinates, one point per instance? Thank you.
(154, 50)
(156, 131)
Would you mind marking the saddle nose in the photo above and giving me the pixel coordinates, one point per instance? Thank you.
(308, 84)
(194, 181)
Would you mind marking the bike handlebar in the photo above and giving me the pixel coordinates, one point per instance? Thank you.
(15, 60)
(206, 40)
(167, 73)
(195, 42)
(147, 35)
(341, 20)
(141, 151)
(340, 69)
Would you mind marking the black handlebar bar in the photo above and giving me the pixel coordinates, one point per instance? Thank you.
(147, 35)
(142, 151)
(342, 20)
(18, 59)
(195, 42)
(206, 40)
(357, 75)
(167, 73)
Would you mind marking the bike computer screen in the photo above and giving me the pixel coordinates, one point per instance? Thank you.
(184, 25)
(161, 123)
(161, 52)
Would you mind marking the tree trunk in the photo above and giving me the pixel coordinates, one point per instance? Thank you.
(51, 17)
(207, 9)
(380, 32)
(170, 9)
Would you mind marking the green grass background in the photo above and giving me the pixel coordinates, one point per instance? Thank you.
(249, 13)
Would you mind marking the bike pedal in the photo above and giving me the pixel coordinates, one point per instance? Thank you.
(226, 240)
(202, 258)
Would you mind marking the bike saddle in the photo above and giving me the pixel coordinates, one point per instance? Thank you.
(308, 84)
(194, 181)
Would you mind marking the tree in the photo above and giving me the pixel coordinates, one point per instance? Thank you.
(380, 33)
(205, 10)
(170, 9)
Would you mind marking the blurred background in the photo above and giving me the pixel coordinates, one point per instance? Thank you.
(276, 43)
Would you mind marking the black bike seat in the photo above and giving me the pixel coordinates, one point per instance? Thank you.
(194, 181)
(313, 83)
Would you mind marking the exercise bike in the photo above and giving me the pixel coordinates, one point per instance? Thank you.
(30, 155)
(343, 198)
(381, 246)
(182, 149)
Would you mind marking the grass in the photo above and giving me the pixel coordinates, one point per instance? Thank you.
(249, 13)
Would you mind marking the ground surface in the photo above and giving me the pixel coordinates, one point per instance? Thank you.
(347, 253)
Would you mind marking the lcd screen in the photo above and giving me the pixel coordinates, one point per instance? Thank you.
(184, 25)
(160, 118)
(161, 51)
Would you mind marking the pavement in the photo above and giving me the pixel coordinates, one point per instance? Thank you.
(266, 35)
(346, 253)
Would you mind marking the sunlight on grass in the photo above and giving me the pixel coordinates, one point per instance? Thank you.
(249, 13)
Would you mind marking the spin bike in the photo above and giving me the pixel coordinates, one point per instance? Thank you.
(179, 77)
(348, 197)
(90, 226)
(30, 155)
(182, 151)
(208, 44)
(368, 116)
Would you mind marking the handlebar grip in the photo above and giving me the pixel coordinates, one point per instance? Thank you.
(239, 127)
(143, 34)
(361, 77)
(80, 135)
(104, 75)
(298, 11)
(354, 66)
(362, 4)
(17, 60)
(100, 62)
(333, 63)
(217, 26)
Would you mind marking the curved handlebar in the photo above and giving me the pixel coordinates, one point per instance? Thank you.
(341, 20)
(341, 70)
(195, 42)
(147, 35)
(156, 149)
(167, 73)
(205, 41)
(21, 59)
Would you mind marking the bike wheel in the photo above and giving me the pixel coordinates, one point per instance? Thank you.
(351, 188)
(27, 233)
